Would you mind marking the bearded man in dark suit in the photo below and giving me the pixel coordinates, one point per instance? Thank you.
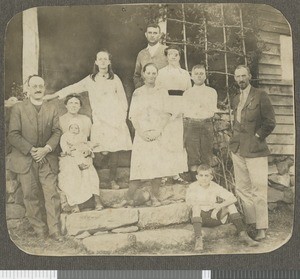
(34, 134)
(254, 120)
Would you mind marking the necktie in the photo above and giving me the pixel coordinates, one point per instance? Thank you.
(240, 106)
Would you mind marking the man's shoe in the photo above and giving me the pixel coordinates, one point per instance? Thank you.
(198, 244)
(261, 234)
(246, 239)
(56, 237)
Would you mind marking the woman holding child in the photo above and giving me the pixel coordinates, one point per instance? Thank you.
(109, 111)
(78, 179)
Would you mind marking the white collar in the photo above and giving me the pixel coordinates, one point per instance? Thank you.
(36, 102)
(153, 47)
(247, 89)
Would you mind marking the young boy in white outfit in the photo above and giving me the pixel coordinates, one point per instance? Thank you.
(211, 205)
(200, 104)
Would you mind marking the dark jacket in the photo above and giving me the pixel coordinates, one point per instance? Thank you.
(28, 128)
(257, 117)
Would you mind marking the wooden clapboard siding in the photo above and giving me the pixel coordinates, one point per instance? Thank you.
(282, 138)
(281, 92)
(280, 149)
(286, 129)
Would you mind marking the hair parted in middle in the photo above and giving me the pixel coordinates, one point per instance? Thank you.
(96, 68)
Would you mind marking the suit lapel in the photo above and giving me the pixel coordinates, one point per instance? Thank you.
(31, 113)
(250, 97)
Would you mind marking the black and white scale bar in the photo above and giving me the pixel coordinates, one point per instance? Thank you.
(28, 274)
(255, 274)
(134, 274)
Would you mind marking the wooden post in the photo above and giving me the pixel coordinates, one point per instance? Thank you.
(243, 36)
(30, 64)
(184, 38)
(205, 46)
(226, 63)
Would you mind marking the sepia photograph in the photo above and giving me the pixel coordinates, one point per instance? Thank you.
(149, 129)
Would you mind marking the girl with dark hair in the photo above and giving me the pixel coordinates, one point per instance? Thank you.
(176, 80)
(109, 110)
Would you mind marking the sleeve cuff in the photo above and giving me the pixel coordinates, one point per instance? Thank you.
(49, 147)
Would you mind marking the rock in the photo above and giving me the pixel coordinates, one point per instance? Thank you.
(275, 195)
(272, 169)
(63, 219)
(126, 229)
(18, 196)
(11, 185)
(284, 166)
(9, 198)
(292, 180)
(100, 233)
(173, 192)
(219, 232)
(14, 211)
(108, 243)
(271, 159)
(93, 221)
(272, 206)
(292, 170)
(164, 238)
(13, 223)
(155, 217)
(283, 180)
(289, 195)
(83, 235)
(111, 197)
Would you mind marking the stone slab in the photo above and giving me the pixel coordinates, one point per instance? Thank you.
(93, 221)
(14, 211)
(275, 195)
(112, 197)
(108, 243)
(126, 229)
(155, 217)
(163, 238)
(150, 240)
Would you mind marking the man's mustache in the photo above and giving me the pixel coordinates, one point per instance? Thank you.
(37, 92)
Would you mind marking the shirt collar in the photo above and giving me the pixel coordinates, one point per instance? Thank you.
(153, 47)
(247, 89)
(36, 102)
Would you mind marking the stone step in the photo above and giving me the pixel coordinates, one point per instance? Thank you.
(105, 220)
(109, 219)
(171, 193)
(180, 237)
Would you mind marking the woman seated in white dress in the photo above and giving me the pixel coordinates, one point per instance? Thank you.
(77, 177)
(175, 80)
(150, 158)
(109, 111)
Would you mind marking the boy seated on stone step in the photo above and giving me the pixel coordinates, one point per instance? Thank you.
(211, 205)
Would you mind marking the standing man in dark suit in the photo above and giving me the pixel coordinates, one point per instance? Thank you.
(153, 53)
(34, 134)
(254, 120)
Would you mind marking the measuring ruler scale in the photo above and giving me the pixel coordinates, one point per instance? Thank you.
(149, 274)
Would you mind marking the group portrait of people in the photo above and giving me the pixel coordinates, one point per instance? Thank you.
(172, 113)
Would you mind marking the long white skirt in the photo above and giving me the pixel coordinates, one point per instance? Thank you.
(152, 159)
(110, 138)
(78, 185)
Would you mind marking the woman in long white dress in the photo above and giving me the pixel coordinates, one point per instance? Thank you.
(109, 110)
(149, 115)
(176, 80)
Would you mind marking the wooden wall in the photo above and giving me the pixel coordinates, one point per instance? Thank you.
(281, 91)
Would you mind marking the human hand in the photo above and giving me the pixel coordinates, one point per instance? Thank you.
(39, 153)
(49, 97)
(83, 166)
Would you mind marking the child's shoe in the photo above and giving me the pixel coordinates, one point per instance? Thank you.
(198, 244)
(245, 239)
